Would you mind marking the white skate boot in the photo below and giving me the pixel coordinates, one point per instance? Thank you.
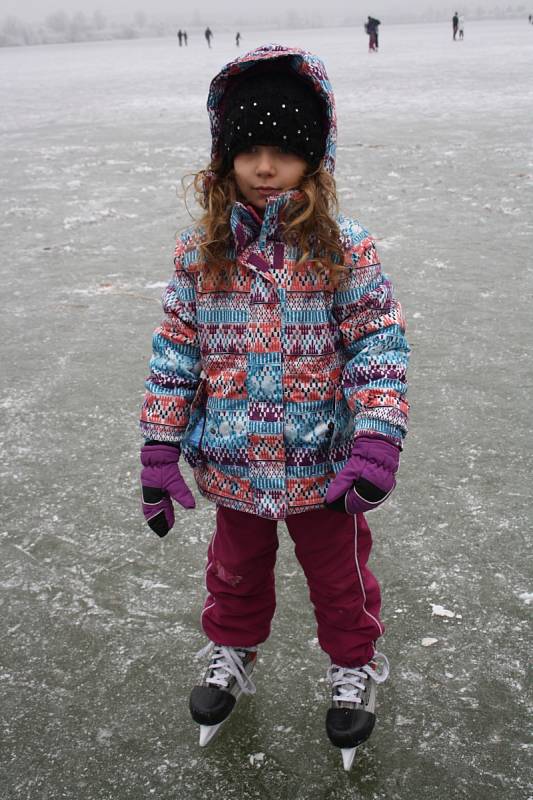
(351, 718)
(226, 679)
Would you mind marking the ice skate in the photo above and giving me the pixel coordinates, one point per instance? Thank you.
(226, 679)
(351, 718)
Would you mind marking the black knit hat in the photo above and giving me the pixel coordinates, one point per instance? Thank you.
(273, 106)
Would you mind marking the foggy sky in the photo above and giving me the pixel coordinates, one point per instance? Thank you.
(36, 10)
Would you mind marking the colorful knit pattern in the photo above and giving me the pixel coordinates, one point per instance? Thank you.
(267, 381)
(289, 371)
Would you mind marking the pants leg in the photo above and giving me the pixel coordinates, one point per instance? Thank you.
(333, 550)
(241, 598)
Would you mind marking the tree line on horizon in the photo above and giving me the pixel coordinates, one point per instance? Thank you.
(62, 27)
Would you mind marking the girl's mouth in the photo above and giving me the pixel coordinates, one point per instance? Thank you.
(265, 191)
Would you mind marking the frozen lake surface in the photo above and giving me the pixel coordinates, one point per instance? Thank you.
(100, 620)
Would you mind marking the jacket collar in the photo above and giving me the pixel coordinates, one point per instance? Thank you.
(249, 228)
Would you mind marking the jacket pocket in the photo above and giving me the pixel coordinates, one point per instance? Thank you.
(225, 436)
(343, 430)
(307, 436)
(192, 441)
(344, 422)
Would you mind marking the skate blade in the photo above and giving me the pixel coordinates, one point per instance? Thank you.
(348, 756)
(208, 733)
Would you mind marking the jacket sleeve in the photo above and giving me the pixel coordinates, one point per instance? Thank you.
(175, 365)
(372, 327)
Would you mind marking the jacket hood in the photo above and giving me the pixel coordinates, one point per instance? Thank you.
(304, 64)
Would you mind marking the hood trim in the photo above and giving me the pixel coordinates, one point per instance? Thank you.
(305, 64)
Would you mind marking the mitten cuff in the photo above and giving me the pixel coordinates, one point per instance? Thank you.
(152, 442)
(155, 454)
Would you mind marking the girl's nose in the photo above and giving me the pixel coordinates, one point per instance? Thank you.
(265, 164)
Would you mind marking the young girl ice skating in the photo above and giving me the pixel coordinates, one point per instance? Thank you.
(279, 374)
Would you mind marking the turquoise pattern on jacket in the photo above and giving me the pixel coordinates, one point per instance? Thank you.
(267, 382)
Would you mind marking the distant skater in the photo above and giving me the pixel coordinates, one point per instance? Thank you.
(371, 28)
(237, 39)
(180, 37)
(461, 27)
(185, 38)
(455, 24)
(208, 36)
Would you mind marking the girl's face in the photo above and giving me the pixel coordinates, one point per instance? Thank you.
(263, 171)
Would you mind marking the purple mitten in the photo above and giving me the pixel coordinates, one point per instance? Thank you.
(161, 480)
(368, 477)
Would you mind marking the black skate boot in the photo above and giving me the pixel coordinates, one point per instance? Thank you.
(226, 679)
(351, 718)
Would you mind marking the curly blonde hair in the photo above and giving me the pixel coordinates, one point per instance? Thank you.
(308, 222)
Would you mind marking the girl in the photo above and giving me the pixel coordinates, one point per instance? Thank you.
(279, 373)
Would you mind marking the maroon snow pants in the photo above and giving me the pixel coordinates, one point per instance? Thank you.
(333, 550)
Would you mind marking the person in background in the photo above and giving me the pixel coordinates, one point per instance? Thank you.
(208, 33)
(185, 38)
(237, 39)
(455, 25)
(461, 26)
(180, 37)
(371, 27)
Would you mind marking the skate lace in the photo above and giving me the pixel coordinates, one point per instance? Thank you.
(349, 684)
(227, 663)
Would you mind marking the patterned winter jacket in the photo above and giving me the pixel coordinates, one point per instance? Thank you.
(266, 383)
